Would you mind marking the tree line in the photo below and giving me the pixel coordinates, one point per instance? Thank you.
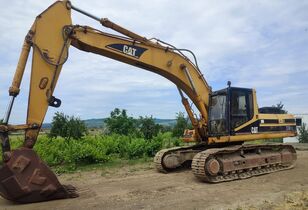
(71, 127)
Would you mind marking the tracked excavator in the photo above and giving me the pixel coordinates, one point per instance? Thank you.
(227, 118)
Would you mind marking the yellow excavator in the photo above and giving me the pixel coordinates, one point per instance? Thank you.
(227, 118)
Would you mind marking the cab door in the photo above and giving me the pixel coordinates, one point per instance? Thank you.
(241, 107)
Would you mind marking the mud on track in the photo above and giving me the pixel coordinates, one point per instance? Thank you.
(141, 187)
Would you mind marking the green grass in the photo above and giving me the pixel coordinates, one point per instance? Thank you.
(95, 151)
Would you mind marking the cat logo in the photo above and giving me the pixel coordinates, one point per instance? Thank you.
(254, 129)
(130, 50)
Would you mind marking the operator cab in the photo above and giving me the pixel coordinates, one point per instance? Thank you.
(229, 108)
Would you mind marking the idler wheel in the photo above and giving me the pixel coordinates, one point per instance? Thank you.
(171, 161)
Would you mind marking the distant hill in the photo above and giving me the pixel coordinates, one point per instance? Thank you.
(165, 122)
(97, 123)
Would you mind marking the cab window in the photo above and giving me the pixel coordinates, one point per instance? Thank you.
(241, 107)
(218, 119)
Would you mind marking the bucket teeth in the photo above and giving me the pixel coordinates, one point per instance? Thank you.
(25, 178)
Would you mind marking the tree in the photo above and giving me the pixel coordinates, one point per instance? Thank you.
(148, 127)
(67, 126)
(303, 134)
(279, 106)
(120, 123)
(1, 121)
(76, 128)
(58, 125)
(180, 126)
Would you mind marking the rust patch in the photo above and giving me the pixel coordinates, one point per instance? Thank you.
(43, 83)
(21, 163)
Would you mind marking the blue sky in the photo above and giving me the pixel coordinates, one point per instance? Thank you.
(255, 44)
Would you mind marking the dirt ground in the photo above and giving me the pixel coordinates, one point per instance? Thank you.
(141, 187)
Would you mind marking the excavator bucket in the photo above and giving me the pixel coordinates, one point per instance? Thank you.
(25, 178)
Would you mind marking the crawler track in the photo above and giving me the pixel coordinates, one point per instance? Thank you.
(159, 157)
(241, 162)
(158, 160)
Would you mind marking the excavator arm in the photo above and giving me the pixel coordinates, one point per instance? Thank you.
(50, 37)
(24, 177)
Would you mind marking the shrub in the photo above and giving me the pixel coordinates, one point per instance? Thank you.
(148, 127)
(303, 134)
(180, 126)
(153, 147)
(120, 123)
(60, 151)
(136, 148)
(96, 149)
(67, 127)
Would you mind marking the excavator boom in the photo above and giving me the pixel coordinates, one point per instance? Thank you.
(50, 37)
(24, 177)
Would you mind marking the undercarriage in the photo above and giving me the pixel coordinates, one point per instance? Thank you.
(229, 162)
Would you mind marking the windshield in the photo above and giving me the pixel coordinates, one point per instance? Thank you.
(218, 107)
